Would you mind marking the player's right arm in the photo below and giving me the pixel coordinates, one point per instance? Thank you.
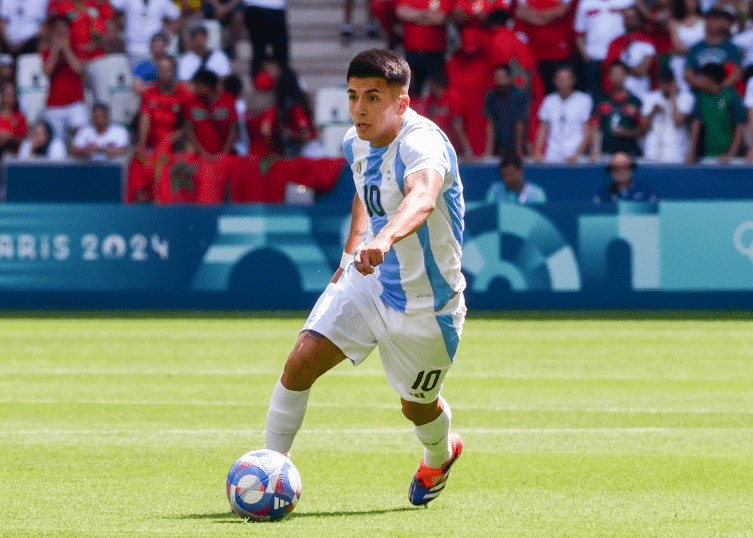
(358, 225)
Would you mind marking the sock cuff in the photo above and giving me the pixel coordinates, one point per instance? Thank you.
(291, 399)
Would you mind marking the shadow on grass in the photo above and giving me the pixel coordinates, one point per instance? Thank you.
(230, 517)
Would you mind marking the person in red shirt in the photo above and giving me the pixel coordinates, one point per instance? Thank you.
(66, 109)
(384, 12)
(424, 37)
(162, 106)
(88, 22)
(440, 105)
(468, 75)
(212, 121)
(475, 12)
(549, 27)
(13, 127)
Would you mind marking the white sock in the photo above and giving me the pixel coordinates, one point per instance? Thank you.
(285, 416)
(435, 436)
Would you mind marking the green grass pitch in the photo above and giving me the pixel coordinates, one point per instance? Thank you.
(575, 426)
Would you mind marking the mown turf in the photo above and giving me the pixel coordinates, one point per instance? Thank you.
(613, 427)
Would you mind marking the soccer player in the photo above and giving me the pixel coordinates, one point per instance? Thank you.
(399, 284)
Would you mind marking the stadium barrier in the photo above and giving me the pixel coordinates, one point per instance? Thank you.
(679, 254)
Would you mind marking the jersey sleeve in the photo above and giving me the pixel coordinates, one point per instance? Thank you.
(545, 111)
(424, 149)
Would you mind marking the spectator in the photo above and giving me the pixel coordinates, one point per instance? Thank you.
(200, 57)
(666, 111)
(384, 12)
(7, 69)
(234, 85)
(467, 76)
(12, 122)
(144, 19)
(146, 70)
(424, 37)
(41, 144)
(548, 25)
(564, 116)
(287, 125)
(718, 125)
(686, 28)
(637, 51)
(87, 22)
(267, 25)
(597, 24)
(441, 106)
(21, 25)
(506, 110)
(211, 118)
(514, 188)
(623, 185)
(658, 20)
(716, 48)
(346, 31)
(744, 42)
(475, 14)
(102, 140)
(66, 110)
(162, 107)
(616, 117)
(229, 13)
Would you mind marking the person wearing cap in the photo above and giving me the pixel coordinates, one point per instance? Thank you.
(199, 56)
(716, 48)
(717, 128)
(667, 111)
(624, 186)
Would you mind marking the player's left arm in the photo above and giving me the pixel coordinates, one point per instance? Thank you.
(421, 189)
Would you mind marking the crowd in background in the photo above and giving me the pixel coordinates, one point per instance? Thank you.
(546, 80)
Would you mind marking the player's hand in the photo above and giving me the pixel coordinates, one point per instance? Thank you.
(370, 256)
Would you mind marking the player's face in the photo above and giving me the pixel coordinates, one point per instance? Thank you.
(377, 109)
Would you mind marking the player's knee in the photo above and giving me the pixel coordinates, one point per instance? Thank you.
(311, 357)
(421, 413)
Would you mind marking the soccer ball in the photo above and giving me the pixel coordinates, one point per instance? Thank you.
(263, 485)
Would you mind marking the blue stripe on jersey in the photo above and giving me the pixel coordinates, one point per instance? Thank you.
(442, 290)
(393, 294)
(449, 334)
(348, 150)
(453, 196)
(400, 171)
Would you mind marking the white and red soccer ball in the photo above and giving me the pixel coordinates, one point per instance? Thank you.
(263, 485)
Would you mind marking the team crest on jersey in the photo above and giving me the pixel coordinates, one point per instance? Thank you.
(199, 114)
(221, 114)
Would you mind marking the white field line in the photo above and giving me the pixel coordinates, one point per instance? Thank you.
(379, 431)
(395, 406)
(361, 372)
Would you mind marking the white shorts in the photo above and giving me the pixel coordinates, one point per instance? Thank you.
(417, 348)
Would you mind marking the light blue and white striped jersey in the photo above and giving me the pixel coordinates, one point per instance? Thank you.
(422, 271)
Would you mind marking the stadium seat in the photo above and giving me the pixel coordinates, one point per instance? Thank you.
(33, 85)
(332, 139)
(124, 102)
(331, 107)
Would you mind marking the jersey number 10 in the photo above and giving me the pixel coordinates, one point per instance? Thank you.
(372, 199)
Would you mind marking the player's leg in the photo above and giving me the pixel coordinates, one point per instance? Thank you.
(312, 356)
(431, 422)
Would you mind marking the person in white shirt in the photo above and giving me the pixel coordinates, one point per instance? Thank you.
(666, 111)
(597, 24)
(199, 55)
(40, 144)
(564, 117)
(102, 140)
(143, 20)
(21, 24)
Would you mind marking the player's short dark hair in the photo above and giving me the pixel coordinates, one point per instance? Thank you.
(380, 63)
(205, 76)
(234, 84)
(510, 158)
(714, 71)
(101, 106)
(566, 67)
